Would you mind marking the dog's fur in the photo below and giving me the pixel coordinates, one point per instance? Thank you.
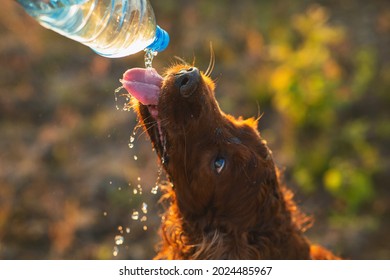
(239, 211)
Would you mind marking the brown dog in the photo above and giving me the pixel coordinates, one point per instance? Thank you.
(226, 201)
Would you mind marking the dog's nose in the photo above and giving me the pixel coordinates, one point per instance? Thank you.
(187, 80)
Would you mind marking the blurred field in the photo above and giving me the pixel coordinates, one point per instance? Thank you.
(319, 71)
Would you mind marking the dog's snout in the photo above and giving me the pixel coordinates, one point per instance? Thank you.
(187, 80)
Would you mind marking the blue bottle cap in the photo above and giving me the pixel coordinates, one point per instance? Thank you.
(161, 40)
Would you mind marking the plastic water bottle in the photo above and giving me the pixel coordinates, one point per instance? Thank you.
(112, 28)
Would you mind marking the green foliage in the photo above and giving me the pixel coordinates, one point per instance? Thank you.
(311, 90)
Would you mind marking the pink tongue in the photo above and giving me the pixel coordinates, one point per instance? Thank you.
(143, 84)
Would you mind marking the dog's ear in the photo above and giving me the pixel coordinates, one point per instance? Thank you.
(263, 168)
(261, 145)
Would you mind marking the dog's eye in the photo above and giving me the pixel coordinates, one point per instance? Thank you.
(219, 164)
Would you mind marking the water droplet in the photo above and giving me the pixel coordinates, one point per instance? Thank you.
(119, 88)
(135, 215)
(139, 187)
(135, 191)
(144, 208)
(120, 228)
(110, 182)
(127, 230)
(104, 213)
(119, 240)
(135, 157)
(139, 178)
(145, 228)
(132, 139)
(144, 219)
(119, 188)
(116, 92)
(154, 190)
(131, 145)
(115, 251)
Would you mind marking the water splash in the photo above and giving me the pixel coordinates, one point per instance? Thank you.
(149, 55)
(127, 230)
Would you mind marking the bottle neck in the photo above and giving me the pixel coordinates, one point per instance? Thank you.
(161, 40)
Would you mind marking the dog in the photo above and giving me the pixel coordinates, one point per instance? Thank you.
(226, 199)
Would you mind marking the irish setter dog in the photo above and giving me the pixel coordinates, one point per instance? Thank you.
(225, 200)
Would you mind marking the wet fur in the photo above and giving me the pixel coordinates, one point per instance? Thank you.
(242, 213)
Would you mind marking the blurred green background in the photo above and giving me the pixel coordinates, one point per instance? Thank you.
(72, 188)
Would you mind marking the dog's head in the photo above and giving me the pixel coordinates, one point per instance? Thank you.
(218, 165)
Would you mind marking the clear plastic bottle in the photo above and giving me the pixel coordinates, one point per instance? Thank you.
(112, 28)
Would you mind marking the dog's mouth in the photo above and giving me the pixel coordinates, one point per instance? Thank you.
(163, 104)
(145, 86)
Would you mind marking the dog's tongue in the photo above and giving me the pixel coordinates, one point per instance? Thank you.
(143, 84)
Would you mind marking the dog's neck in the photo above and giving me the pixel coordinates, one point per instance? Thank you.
(206, 237)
